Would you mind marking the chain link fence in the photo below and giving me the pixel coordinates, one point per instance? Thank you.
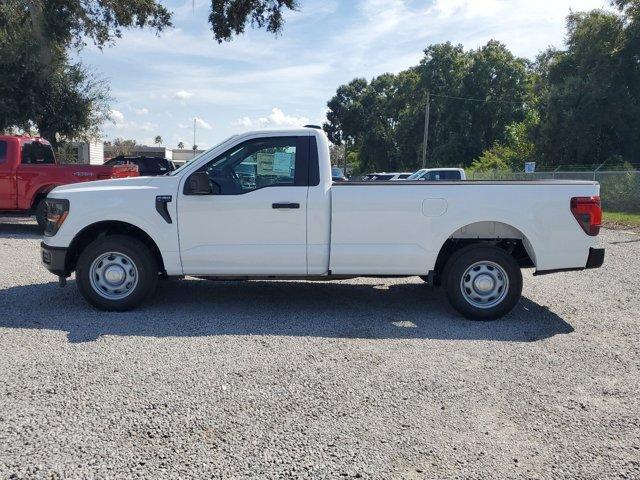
(619, 189)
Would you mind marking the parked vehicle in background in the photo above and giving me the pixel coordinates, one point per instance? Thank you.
(473, 238)
(28, 171)
(384, 176)
(337, 175)
(435, 174)
(147, 166)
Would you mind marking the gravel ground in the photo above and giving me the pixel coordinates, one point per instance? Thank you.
(365, 378)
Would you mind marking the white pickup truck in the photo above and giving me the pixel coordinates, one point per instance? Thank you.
(262, 206)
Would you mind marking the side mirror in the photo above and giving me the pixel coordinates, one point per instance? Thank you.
(198, 184)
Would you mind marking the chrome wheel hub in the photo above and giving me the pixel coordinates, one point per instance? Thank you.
(113, 275)
(484, 284)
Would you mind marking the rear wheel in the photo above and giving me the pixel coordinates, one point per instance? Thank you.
(482, 282)
(116, 273)
(41, 214)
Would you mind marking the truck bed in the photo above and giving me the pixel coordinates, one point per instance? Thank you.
(373, 231)
(467, 182)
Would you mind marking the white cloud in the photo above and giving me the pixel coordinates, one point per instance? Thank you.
(468, 8)
(182, 95)
(243, 122)
(141, 111)
(277, 118)
(147, 126)
(201, 123)
(116, 116)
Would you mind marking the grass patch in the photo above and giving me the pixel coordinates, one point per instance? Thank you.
(621, 220)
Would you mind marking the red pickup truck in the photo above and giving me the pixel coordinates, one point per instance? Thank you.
(28, 171)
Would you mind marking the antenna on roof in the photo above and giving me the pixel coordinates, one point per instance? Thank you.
(317, 127)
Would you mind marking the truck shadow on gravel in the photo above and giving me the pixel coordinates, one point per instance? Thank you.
(27, 229)
(192, 308)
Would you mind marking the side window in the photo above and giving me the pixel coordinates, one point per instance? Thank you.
(36, 153)
(259, 163)
(3, 151)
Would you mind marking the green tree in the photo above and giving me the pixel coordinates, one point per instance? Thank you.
(384, 119)
(119, 146)
(590, 109)
(42, 89)
(346, 115)
(517, 147)
(64, 103)
(336, 154)
(230, 17)
(181, 145)
(157, 140)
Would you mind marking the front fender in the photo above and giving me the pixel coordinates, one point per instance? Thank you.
(117, 206)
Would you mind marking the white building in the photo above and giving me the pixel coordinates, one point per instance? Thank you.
(91, 152)
(182, 155)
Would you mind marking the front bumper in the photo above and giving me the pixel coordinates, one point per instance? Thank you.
(54, 259)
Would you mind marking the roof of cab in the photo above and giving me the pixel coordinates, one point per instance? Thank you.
(24, 138)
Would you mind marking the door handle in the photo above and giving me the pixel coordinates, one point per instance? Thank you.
(285, 205)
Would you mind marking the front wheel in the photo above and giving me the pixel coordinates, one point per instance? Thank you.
(482, 282)
(116, 273)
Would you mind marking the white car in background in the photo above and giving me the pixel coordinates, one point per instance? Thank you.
(386, 176)
(435, 174)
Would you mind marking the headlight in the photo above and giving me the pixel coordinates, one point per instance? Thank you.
(57, 211)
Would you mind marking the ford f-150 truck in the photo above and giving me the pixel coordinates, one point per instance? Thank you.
(291, 221)
(28, 171)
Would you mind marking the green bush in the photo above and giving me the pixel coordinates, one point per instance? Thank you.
(620, 191)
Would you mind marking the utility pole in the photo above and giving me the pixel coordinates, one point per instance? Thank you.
(426, 131)
(194, 136)
(346, 143)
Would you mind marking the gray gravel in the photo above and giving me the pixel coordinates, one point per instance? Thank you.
(368, 378)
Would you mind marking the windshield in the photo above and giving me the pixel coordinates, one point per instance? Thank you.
(188, 162)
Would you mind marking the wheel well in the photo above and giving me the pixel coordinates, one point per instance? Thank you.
(107, 228)
(41, 195)
(497, 234)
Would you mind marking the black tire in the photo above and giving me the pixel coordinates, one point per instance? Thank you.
(143, 262)
(461, 296)
(41, 214)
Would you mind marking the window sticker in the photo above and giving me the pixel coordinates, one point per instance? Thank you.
(265, 163)
(282, 162)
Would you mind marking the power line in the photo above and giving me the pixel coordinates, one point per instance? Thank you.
(453, 97)
(476, 99)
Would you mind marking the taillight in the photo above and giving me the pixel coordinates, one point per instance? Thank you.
(588, 213)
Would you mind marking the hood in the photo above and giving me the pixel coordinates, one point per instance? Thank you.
(118, 184)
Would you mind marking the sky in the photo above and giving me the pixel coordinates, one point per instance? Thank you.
(161, 84)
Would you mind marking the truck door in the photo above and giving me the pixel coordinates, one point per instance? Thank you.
(7, 175)
(36, 169)
(254, 222)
